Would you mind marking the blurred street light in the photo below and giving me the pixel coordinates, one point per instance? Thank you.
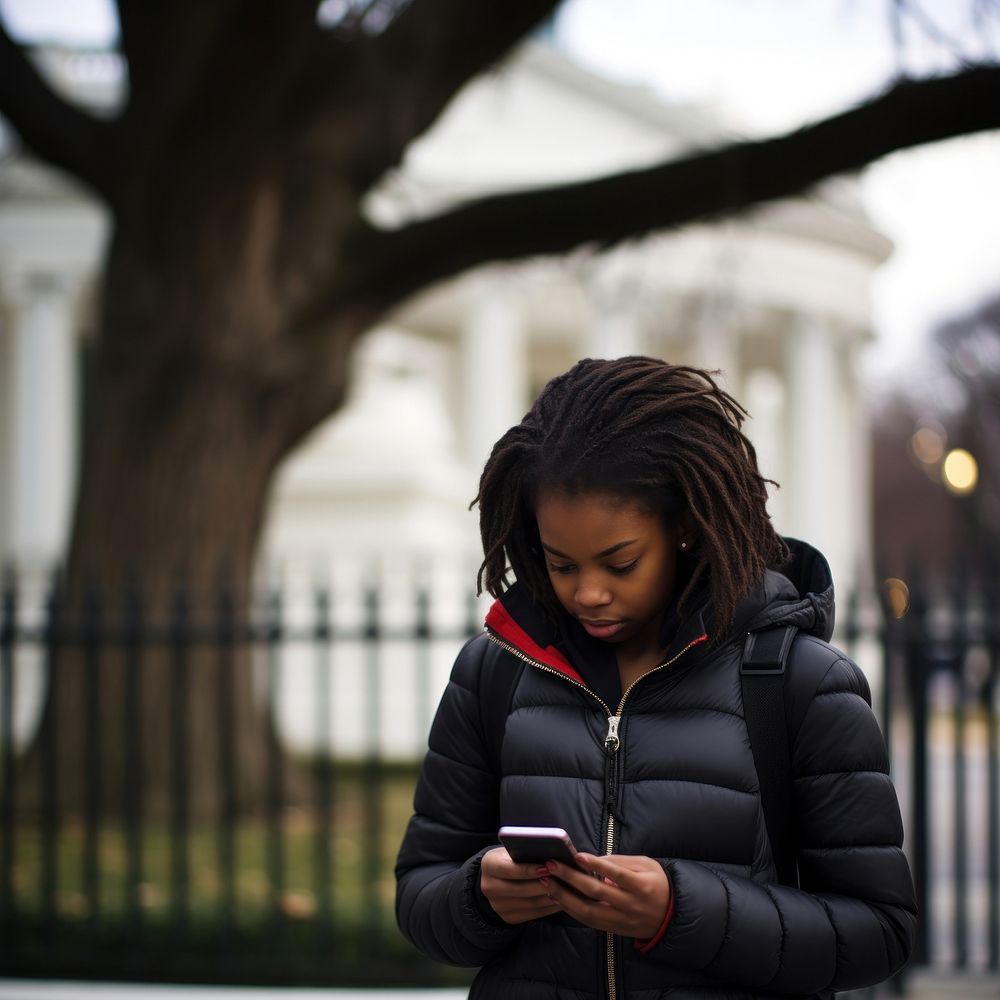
(960, 472)
(928, 444)
(897, 595)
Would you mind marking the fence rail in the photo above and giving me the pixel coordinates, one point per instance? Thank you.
(203, 795)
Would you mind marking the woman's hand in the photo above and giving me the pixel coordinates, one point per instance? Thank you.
(515, 892)
(630, 897)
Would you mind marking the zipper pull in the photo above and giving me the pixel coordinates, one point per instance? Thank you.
(611, 742)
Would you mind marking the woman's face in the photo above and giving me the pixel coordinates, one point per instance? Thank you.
(612, 565)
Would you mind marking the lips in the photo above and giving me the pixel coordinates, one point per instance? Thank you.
(602, 628)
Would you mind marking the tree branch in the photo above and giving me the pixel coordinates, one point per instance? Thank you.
(439, 45)
(56, 132)
(392, 265)
(408, 74)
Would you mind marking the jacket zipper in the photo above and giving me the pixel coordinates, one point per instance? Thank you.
(541, 666)
(612, 744)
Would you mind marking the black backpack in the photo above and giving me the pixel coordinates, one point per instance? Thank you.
(762, 675)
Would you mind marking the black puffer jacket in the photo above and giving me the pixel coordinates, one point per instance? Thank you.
(683, 787)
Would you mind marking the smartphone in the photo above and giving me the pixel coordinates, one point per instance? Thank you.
(538, 844)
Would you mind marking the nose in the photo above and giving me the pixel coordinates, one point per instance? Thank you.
(591, 594)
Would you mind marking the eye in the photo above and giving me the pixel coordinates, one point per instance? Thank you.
(561, 570)
(622, 570)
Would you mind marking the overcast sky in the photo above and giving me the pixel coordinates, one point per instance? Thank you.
(770, 65)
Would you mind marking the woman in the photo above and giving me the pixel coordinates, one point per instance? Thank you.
(605, 698)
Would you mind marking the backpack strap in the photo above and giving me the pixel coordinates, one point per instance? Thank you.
(762, 675)
(497, 681)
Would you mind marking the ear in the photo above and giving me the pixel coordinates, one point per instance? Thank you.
(687, 532)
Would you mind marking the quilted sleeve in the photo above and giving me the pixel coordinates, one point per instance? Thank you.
(852, 921)
(454, 823)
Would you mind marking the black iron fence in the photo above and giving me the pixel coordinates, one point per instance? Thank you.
(194, 793)
(942, 667)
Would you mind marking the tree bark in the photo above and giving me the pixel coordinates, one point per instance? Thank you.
(194, 406)
(183, 525)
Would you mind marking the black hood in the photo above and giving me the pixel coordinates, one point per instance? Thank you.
(800, 593)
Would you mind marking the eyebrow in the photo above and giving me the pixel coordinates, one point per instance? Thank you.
(600, 555)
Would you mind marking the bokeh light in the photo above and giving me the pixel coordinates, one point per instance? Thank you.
(960, 471)
(928, 444)
(897, 596)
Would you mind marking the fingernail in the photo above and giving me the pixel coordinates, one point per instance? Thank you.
(539, 872)
(550, 865)
(544, 882)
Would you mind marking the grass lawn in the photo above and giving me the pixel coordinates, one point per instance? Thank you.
(116, 895)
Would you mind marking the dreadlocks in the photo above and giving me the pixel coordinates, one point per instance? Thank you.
(664, 435)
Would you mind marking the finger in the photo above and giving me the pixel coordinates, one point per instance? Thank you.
(499, 864)
(616, 909)
(637, 911)
(583, 883)
(624, 871)
(587, 911)
(510, 889)
(580, 886)
(606, 916)
(526, 908)
(635, 862)
(515, 894)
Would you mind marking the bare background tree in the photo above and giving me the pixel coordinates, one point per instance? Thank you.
(918, 522)
(242, 269)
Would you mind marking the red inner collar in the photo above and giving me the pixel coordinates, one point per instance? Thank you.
(500, 623)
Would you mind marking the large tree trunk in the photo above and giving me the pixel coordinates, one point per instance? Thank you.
(183, 438)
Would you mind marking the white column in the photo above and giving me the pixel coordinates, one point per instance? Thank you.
(7, 424)
(717, 349)
(614, 330)
(817, 492)
(857, 516)
(859, 474)
(44, 433)
(494, 369)
(767, 403)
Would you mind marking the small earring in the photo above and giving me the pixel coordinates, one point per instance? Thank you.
(684, 546)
